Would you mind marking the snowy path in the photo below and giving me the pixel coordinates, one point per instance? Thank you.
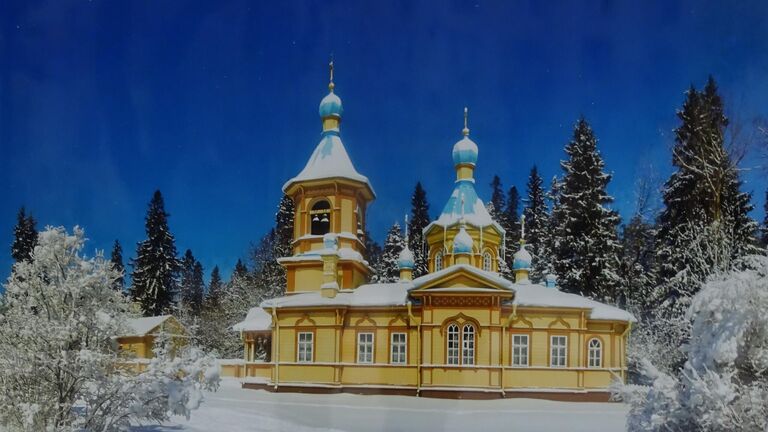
(232, 409)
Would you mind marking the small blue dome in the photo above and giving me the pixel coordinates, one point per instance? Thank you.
(522, 259)
(330, 106)
(462, 243)
(405, 260)
(465, 152)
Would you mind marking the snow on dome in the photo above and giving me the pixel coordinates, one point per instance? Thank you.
(465, 152)
(473, 210)
(522, 259)
(330, 106)
(405, 260)
(462, 243)
(330, 159)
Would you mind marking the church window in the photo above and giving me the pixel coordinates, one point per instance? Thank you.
(320, 217)
(487, 262)
(438, 261)
(595, 353)
(305, 348)
(468, 344)
(453, 345)
(520, 350)
(398, 349)
(365, 347)
(558, 351)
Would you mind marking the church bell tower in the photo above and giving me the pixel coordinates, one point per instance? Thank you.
(330, 198)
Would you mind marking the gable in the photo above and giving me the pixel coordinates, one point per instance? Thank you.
(462, 276)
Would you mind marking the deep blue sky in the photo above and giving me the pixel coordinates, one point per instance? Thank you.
(215, 102)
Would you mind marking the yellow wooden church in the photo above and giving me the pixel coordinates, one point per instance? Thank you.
(459, 331)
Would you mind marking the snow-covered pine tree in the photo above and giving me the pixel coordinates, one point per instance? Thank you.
(637, 268)
(58, 353)
(24, 236)
(215, 287)
(272, 276)
(240, 270)
(512, 217)
(419, 220)
(498, 199)
(392, 247)
(213, 331)
(191, 284)
(116, 258)
(373, 256)
(764, 239)
(239, 295)
(156, 267)
(587, 247)
(537, 225)
(702, 196)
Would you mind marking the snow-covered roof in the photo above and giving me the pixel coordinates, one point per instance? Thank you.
(329, 160)
(144, 325)
(347, 254)
(473, 210)
(388, 294)
(256, 320)
(535, 295)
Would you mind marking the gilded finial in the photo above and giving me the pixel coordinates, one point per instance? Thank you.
(465, 131)
(330, 70)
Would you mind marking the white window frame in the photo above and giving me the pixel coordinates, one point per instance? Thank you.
(305, 348)
(558, 353)
(453, 344)
(365, 347)
(468, 344)
(520, 350)
(487, 261)
(439, 261)
(595, 357)
(398, 349)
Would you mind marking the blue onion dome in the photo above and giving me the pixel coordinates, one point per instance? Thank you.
(330, 106)
(465, 151)
(405, 260)
(462, 243)
(522, 259)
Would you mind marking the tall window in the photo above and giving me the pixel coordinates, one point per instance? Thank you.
(304, 354)
(595, 353)
(519, 350)
(558, 351)
(453, 344)
(487, 262)
(320, 216)
(398, 348)
(468, 345)
(439, 261)
(365, 347)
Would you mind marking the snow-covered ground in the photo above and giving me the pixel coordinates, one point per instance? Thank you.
(232, 409)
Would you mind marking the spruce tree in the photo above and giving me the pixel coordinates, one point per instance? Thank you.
(497, 196)
(586, 244)
(373, 256)
(636, 264)
(117, 264)
(537, 226)
(24, 237)
(155, 269)
(765, 222)
(392, 247)
(240, 269)
(419, 220)
(271, 275)
(701, 198)
(191, 285)
(215, 287)
(512, 218)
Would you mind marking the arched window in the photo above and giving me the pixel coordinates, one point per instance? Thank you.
(453, 345)
(320, 218)
(468, 345)
(595, 353)
(439, 261)
(487, 262)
